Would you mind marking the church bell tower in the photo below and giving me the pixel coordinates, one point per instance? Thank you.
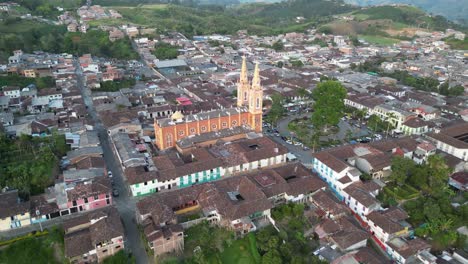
(243, 85)
(256, 101)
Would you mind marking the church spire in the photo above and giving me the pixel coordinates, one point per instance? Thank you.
(256, 78)
(243, 85)
(244, 75)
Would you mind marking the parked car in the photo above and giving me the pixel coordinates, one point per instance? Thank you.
(115, 192)
(289, 141)
(109, 173)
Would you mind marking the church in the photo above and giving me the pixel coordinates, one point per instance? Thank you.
(247, 113)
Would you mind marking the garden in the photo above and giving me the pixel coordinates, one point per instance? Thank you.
(424, 193)
(38, 248)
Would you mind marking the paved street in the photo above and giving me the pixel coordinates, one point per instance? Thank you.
(305, 156)
(125, 204)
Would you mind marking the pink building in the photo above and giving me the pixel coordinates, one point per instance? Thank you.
(90, 195)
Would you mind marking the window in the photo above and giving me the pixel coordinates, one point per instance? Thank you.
(192, 130)
(117, 247)
(234, 122)
(104, 251)
(214, 126)
(146, 183)
(181, 132)
(86, 200)
(74, 203)
(245, 96)
(224, 124)
(96, 197)
(169, 140)
(203, 128)
(258, 103)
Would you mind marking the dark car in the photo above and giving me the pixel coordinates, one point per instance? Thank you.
(115, 192)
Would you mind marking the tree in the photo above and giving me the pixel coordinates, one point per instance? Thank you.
(280, 64)
(296, 63)
(302, 92)
(329, 104)
(457, 90)
(278, 46)
(401, 169)
(388, 119)
(444, 88)
(438, 174)
(164, 51)
(277, 109)
(272, 257)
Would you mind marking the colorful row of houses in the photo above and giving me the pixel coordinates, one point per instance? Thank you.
(239, 203)
(341, 167)
(176, 169)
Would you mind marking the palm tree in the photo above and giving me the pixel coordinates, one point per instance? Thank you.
(390, 116)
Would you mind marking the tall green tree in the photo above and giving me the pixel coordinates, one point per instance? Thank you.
(401, 169)
(277, 109)
(329, 104)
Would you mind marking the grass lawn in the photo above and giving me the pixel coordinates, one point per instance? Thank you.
(46, 249)
(378, 40)
(404, 192)
(242, 251)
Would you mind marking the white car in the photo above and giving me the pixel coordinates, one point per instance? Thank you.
(297, 143)
(289, 141)
(109, 173)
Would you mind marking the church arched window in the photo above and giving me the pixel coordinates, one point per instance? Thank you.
(169, 140)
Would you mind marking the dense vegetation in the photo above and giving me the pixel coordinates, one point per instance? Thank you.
(120, 258)
(29, 36)
(16, 80)
(289, 245)
(457, 44)
(114, 86)
(48, 8)
(165, 51)
(28, 164)
(407, 15)
(428, 199)
(97, 43)
(41, 250)
(263, 19)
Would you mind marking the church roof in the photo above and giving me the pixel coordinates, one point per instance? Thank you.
(166, 122)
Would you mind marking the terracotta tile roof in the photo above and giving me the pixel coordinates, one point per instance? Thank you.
(461, 177)
(408, 248)
(99, 185)
(86, 231)
(327, 202)
(360, 193)
(455, 135)
(366, 255)
(416, 123)
(91, 162)
(78, 243)
(331, 161)
(10, 204)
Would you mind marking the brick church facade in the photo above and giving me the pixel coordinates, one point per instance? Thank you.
(248, 113)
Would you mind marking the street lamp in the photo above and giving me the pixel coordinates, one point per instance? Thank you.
(38, 213)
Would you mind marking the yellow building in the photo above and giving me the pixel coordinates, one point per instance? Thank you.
(30, 73)
(13, 213)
